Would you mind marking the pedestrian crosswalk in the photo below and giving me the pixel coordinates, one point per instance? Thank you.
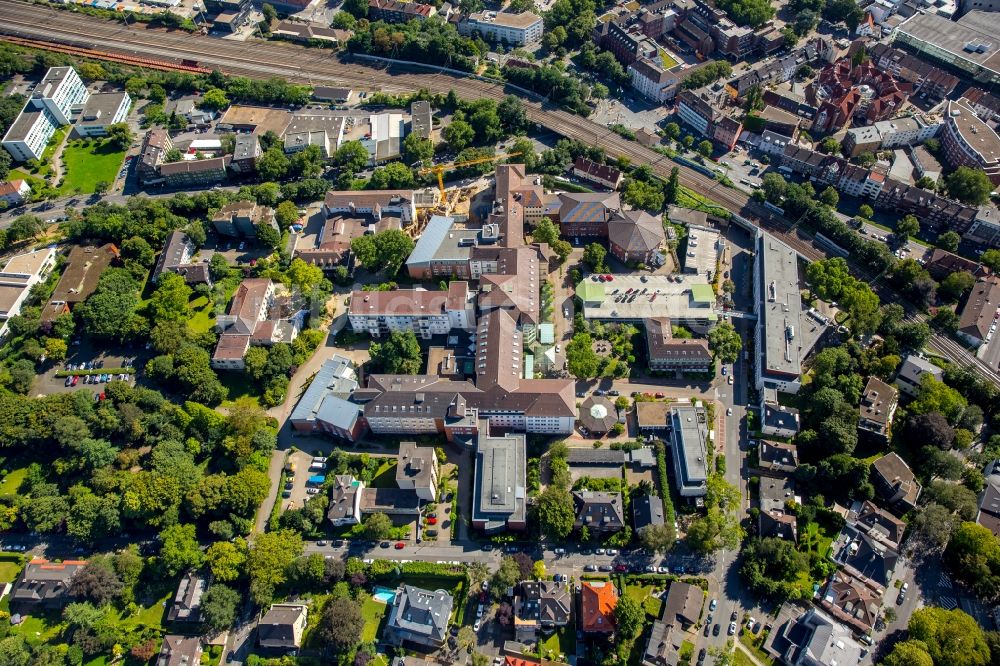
(944, 581)
(948, 603)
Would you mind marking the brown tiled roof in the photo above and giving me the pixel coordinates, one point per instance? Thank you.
(897, 473)
(231, 347)
(943, 262)
(195, 166)
(599, 171)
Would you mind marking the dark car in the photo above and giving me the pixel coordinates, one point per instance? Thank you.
(590, 567)
(384, 544)
(432, 533)
(488, 547)
(708, 629)
(701, 655)
(715, 630)
(621, 568)
(605, 568)
(732, 618)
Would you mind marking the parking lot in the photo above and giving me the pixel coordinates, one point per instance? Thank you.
(298, 493)
(47, 383)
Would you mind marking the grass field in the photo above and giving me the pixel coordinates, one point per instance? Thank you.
(815, 540)
(753, 643)
(239, 386)
(385, 476)
(561, 642)
(689, 199)
(9, 569)
(667, 60)
(12, 481)
(643, 595)
(741, 659)
(202, 317)
(374, 612)
(87, 163)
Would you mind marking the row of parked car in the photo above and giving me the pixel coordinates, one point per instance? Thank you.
(73, 380)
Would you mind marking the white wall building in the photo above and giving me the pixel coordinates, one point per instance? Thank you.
(514, 29)
(19, 275)
(57, 97)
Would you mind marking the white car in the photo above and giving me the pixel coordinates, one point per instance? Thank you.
(479, 611)
(478, 624)
(312, 491)
(730, 380)
(565, 312)
(729, 412)
(558, 349)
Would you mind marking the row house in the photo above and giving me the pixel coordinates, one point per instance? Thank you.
(394, 11)
(926, 78)
(701, 110)
(985, 104)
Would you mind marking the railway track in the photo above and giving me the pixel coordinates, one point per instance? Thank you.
(300, 65)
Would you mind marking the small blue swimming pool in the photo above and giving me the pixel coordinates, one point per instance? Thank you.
(384, 594)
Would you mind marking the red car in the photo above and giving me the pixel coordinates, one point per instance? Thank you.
(609, 278)
(76, 379)
(432, 521)
(660, 395)
(400, 545)
(621, 568)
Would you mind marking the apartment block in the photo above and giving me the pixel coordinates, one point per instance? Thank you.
(57, 98)
(504, 27)
(426, 313)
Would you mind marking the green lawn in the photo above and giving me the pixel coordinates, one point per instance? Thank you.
(741, 659)
(562, 641)
(152, 615)
(202, 317)
(35, 182)
(39, 629)
(753, 643)
(239, 385)
(643, 595)
(667, 60)
(690, 199)
(11, 482)
(385, 476)
(374, 612)
(88, 162)
(9, 569)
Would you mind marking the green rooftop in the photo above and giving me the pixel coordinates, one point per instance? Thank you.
(702, 293)
(590, 291)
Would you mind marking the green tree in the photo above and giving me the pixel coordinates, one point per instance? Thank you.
(214, 99)
(594, 255)
(968, 185)
(180, 550)
(170, 300)
(507, 576)
(581, 359)
(658, 538)
(672, 130)
(907, 226)
(512, 114)
(120, 135)
(56, 349)
(219, 607)
(830, 145)
(949, 240)
(866, 211)
(956, 285)
(267, 561)
(829, 197)
(556, 513)
(226, 559)
(705, 148)
(273, 164)
(974, 556)
(377, 526)
(629, 617)
(352, 156)
(458, 134)
(952, 637)
(673, 187)
(341, 623)
(109, 311)
(416, 149)
(399, 354)
(725, 342)
(908, 653)
(268, 236)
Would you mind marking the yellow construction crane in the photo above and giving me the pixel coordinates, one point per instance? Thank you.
(439, 169)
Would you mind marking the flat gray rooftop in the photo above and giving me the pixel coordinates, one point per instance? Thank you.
(953, 36)
(781, 306)
(689, 434)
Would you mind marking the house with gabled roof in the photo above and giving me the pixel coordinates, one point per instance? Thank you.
(419, 617)
(598, 600)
